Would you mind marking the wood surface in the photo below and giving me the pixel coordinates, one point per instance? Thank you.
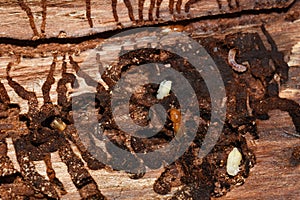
(273, 177)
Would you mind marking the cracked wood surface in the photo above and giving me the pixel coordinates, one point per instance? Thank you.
(273, 177)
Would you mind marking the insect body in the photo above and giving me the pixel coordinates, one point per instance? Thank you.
(233, 162)
(164, 89)
(175, 117)
(231, 60)
(58, 124)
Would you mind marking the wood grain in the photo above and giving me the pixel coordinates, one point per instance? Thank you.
(70, 16)
(273, 177)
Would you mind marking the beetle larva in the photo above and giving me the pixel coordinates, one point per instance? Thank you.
(164, 89)
(233, 162)
(231, 60)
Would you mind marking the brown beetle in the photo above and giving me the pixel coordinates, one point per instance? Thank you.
(175, 117)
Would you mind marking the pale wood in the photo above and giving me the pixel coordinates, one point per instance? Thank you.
(272, 177)
(70, 15)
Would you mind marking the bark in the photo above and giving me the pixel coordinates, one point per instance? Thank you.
(38, 29)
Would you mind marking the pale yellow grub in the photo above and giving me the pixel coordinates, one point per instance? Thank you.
(58, 124)
(164, 89)
(233, 162)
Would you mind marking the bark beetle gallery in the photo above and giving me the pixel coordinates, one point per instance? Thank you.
(44, 4)
(48, 130)
(251, 93)
(157, 3)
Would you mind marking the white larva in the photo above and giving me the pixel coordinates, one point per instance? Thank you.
(164, 89)
(233, 162)
(231, 60)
